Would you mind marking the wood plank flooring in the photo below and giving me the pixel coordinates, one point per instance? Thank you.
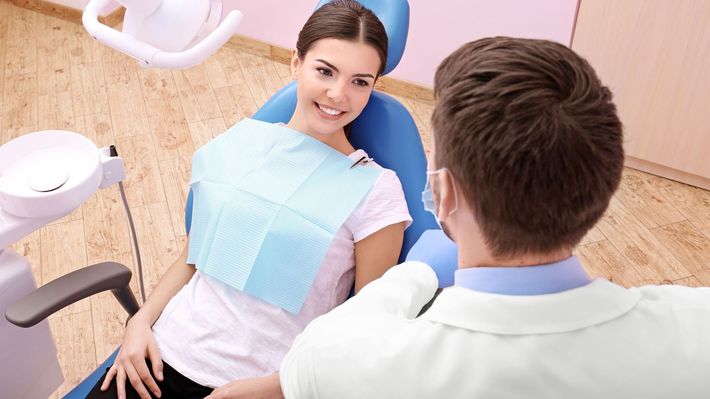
(53, 76)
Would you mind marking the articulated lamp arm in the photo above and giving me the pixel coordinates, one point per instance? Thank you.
(166, 14)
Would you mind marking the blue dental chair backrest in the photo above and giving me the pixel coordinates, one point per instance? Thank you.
(385, 129)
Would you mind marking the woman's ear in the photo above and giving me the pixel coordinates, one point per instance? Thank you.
(295, 64)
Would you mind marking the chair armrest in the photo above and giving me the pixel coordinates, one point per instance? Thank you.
(436, 250)
(72, 287)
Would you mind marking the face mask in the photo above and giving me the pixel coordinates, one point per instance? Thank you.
(428, 200)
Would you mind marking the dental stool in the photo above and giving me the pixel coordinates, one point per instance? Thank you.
(385, 130)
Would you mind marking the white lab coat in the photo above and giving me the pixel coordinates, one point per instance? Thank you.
(596, 341)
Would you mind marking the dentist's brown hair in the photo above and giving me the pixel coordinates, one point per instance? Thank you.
(532, 137)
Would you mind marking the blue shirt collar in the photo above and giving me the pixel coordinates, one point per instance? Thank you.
(527, 280)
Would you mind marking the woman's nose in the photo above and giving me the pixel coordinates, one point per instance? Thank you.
(336, 92)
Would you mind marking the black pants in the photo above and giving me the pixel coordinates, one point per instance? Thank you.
(174, 385)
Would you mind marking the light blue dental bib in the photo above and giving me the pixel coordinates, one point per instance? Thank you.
(268, 202)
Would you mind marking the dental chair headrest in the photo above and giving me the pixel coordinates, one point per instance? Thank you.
(394, 15)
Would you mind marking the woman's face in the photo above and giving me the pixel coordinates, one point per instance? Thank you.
(335, 79)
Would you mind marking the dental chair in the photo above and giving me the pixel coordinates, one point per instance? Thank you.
(385, 130)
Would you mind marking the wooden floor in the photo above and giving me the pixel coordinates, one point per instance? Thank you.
(53, 76)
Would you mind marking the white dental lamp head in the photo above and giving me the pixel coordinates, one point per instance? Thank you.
(165, 33)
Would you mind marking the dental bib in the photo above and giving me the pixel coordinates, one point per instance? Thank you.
(268, 201)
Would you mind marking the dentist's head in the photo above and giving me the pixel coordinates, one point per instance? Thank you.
(527, 150)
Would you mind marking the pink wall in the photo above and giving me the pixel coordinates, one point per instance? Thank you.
(437, 27)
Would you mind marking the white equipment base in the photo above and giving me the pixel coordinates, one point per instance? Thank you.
(28, 357)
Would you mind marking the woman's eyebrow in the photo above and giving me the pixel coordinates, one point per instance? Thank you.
(357, 75)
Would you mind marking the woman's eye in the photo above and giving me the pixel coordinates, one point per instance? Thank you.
(325, 71)
(361, 82)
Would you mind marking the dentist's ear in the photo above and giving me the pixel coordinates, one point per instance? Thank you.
(295, 64)
(448, 203)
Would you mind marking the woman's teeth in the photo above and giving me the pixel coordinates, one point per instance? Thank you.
(329, 111)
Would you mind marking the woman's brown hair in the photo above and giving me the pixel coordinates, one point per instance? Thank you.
(345, 20)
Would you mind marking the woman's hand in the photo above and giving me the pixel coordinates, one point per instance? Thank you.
(267, 387)
(138, 344)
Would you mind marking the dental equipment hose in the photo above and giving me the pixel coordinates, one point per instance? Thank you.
(135, 242)
(114, 153)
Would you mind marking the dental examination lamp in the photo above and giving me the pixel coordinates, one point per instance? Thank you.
(165, 33)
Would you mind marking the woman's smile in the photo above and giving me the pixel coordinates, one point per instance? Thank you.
(327, 112)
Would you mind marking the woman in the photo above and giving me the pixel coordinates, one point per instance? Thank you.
(196, 331)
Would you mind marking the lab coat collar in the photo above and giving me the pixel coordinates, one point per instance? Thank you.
(594, 303)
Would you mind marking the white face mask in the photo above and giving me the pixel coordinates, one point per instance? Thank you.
(428, 199)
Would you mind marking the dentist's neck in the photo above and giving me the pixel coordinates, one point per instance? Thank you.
(474, 252)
